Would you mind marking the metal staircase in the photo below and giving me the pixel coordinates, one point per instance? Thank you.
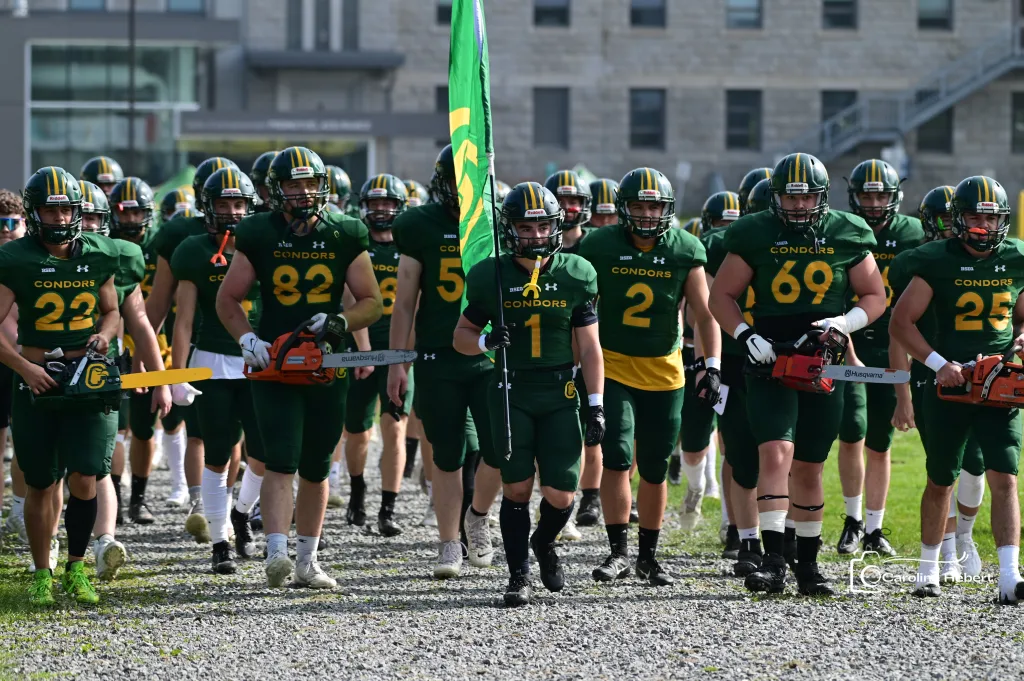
(888, 116)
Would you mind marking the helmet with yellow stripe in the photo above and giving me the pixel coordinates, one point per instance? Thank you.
(531, 202)
(382, 199)
(174, 200)
(936, 212)
(228, 196)
(874, 190)
(720, 208)
(800, 193)
(340, 187)
(573, 196)
(416, 193)
(759, 199)
(652, 189)
(981, 213)
(53, 187)
(748, 183)
(298, 183)
(131, 209)
(102, 171)
(207, 168)
(605, 192)
(692, 226)
(95, 209)
(258, 175)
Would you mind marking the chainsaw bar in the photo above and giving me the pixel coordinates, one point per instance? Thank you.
(366, 359)
(839, 372)
(151, 379)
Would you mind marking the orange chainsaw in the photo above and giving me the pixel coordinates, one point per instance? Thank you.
(800, 364)
(991, 381)
(303, 357)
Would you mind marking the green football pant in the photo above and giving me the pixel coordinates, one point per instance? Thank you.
(546, 434)
(809, 420)
(740, 445)
(142, 420)
(225, 411)
(922, 380)
(364, 395)
(868, 408)
(649, 417)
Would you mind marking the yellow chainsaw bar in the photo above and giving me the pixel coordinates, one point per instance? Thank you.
(151, 379)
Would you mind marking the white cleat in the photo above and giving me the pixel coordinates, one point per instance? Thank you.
(691, 510)
(110, 557)
(570, 532)
(15, 527)
(277, 567)
(334, 499)
(967, 554)
(429, 518)
(179, 498)
(478, 534)
(54, 550)
(196, 524)
(723, 532)
(309, 574)
(449, 560)
(711, 491)
(949, 571)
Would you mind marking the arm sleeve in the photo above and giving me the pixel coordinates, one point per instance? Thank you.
(180, 265)
(479, 289)
(476, 315)
(584, 315)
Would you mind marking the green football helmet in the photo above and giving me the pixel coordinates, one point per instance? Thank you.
(102, 171)
(382, 186)
(566, 183)
(798, 175)
(416, 193)
(980, 195)
(340, 187)
(720, 206)
(936, 212)
(501, 190)
(693, 226)
(748, 182)
(258, 175)
(531, 202)
(871, 177)
(298, 163)
(759, 198)
(442, 183)
(51, 186)
(174, 200)
(94, 202)
(131, 194)
(605, 192)
(649, 186)
(207, 168)
(226, 183)
(190, 212)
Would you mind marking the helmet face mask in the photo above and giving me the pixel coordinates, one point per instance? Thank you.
(52, 200)
(228, 196)
(935, 213)
(382, 199)
(298, 183)
(646, 203)
(981, 213)
(531, 221)
(874, 192)
(573, 196)
(799, 193)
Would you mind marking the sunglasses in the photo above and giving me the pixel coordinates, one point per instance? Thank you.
(10, 224)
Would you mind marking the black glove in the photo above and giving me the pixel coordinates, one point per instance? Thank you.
(497, 338)
(710, 386)
(595, 427)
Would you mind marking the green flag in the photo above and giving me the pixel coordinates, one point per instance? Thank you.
(469, 119)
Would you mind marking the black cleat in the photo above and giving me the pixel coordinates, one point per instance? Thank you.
(614, 567)
(386, 524)
(651, 570)
(770, 577)
(518, 591)
(732, 544)
(675, 469)
(747, 562)
(853, 532)
(810, 581)
(589, 512)
(139, 514)
(256, 518)
(356, 512)
(877, 542)
(245, 543)
(634, 515)
(928, 590)
(551, 573)
(222, 562)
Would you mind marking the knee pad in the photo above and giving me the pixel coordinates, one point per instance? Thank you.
(812, 508)
(770, 497)
(970, 489)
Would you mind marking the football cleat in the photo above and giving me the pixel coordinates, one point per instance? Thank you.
(614, 567)
(139, 514)
(589, 512)
(853, 532)
(386, 524)
(309, 574)
(518, 591)
(877, 542)
(810, 581)
(747, 562)
(651, 570)
(570, 532)
(949, 572)
(356, 512)
(222, 561)
(245, 543)
(40, 591)
(967, 554)
(449, 560)
(551, 572)
(196, 525)
(110, 556)
(732, 544)
(478, 539)
(927, 590)
(634, 515)
(770, 577)
(77, 585)
(277, 567)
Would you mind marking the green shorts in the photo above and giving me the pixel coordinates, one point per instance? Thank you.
(225, 411)
(922, 380)
(809, 420)
(142, 420)
(740, 445)
(698, 419)
(650, 418)
(364, 395)
(472, 439)
(299, 425)
(868, 408)
(122, 414)
(950, 425)
(449, 383)
(546, 434)
(50, 442)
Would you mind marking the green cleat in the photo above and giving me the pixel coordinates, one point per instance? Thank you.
(76, 584)
(41, 591)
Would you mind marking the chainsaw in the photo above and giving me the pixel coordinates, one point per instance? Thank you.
(991, 381)
(303, 357)
(98, 380)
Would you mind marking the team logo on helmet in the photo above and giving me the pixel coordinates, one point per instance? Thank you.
(567, 189)
(105, 177)
(88, 205)
(535, 213)
(649, 194)
(130, 203)
(731, 214)
(301, 171)
(873, 186)
(796, 188)
(605, 208)
(231, 191)
(377, 192)
(56, 197)
(982, 205)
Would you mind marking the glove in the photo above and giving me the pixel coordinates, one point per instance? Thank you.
(255, 352)
(595, 427)
(837, 323)
(320, 318)
(759, 348)
(182, 394)
(709, 387)
(497, 338)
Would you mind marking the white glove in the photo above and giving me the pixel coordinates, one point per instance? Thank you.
(759, 348)
(255, 352)
(320, 318)
(854, 320)
(182, 394)
(837, 323)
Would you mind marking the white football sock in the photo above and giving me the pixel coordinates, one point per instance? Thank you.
(277, 542)
(18, 507)
(215, 496)
(853, 506)
(174, 450)
(948, 547)
(1009, 557)
(772, 521)
(694, 475)
(305, 549)
(928, 568)
(249, 494)
(749, 533)
(874, 520)
(965, 524)
(808, 528)
(711, 463)
(790, 523)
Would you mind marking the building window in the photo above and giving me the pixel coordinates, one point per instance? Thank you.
(936, 134)
(322, 26)
(294, 21)
(441, 107)
(647, 119)
(743, 14)
(551, 117)
(193, 6)
(935, 15)
(743, 119)
(87, 5)
(1017, 132)
(350, 25)
(648, 13)
(444, 12)
(551, 12)
(839, 14)
(833, 102)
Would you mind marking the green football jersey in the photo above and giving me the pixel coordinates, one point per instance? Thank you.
(898, 280)
(973, 297)
(540, 328)
(714, 245)
(797, 280)
(192, 262)
(901, 234)
(58, 300)
(299, 276)
(131, 271)
(430, 235)
(148, 247)
(385, 256)
(174, 232)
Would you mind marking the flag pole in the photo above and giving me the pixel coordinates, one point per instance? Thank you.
(501, 355)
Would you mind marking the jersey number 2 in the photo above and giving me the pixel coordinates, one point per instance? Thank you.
(629, 316)
(286, 282)
(970, 318)
(83, 304)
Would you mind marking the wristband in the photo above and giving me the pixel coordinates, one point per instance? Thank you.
(595, 399)
(713, 363)
(740, 328)
(935, 361)
(482, 343)
(856, 319)
(344, 320)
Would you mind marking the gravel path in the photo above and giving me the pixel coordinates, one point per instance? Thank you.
(169, 617)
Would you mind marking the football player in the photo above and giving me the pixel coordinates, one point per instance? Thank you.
(605, 192)
(303, 258)
(644, 271)
(800, 259)
(556, 314)
(430, 271)
(748, 183)
(501, 190)
(340, 191)
(759, 198)
(174, 201)
(973, 282)
(258, 175)
(875, 195)
(102, 171)
(416, 193)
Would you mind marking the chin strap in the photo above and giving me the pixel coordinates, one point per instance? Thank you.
(218, 257)
(532, 287)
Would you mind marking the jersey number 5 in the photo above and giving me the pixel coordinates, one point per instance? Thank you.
(286, 283)
(817, 278)
(974, 309)
(448, 274)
